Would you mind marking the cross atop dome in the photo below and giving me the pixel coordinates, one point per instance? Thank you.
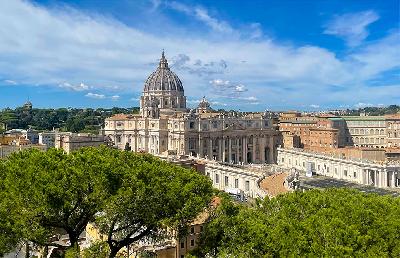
(163, 61)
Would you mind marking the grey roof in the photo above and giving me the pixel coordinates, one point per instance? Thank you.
(163, 79)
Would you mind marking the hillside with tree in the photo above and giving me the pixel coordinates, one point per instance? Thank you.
(66, 119)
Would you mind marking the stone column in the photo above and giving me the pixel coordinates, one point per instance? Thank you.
(210, 149)
(393, 183)
(262, 149)
(200, 147)
(237, 150)
(223, 149)
(219, 149)
(384, 176)
(254, 149)
(271, 149)
(244, 149)
(364, 176)
(229, 150)
(135, 141)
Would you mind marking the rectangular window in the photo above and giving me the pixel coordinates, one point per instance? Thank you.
(217, 179)
(236, 183)
(192, 230)
(355, 174)
(191, 125)
(226, 180)
(201, 228)
(247, 185)
(345, 172)
(182, 244)
(192, 242)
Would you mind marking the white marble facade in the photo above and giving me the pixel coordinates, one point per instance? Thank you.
(165, 126)
(357, 171)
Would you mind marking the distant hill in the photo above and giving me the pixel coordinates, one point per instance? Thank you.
(66, 119)
(376, 111)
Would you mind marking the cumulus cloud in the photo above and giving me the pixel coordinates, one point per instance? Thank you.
(76, 87)
(10, 82)
(363, 105)
(115, 97)
(227, 87)
(183, 62)
(352, 26)
(202, 15)
(95, 95)
(101, 51)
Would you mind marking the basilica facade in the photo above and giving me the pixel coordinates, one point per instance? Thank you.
(165, 126)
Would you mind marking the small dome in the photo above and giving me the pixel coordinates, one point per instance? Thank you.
(27, 105)
(163, 79)
(204, 104)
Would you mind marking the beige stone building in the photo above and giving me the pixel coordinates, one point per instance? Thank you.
(363, 131)
(356, 170)
(393, 131)
(166, 126)
(71, 142)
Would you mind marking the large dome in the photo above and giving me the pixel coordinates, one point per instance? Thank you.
(163, 79)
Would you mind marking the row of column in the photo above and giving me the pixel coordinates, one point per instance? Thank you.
(241, 152)
(380, 178)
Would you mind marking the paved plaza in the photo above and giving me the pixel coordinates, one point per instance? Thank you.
(322, 182)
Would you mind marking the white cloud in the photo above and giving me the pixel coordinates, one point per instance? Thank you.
(100, 51)
(10, 82)
(352, 26)
(115, 97)
(314, 106)
(251, 98)
(240, 88)
(77, 87)
(363, 105)
(202, 15)
(95, 95)
(215, 24)
(227, 88)
(219, 82)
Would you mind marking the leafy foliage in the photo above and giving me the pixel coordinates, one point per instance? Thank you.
(130, 196)
(71, 119)
(153, 195)
(375, 111)
(334, 222)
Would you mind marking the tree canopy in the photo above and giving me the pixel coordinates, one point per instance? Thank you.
(330, 223)
(67, 119)
(130, 195)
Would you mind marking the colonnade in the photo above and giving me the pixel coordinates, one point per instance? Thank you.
(237, 149)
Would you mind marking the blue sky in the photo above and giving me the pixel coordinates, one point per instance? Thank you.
(246, 55)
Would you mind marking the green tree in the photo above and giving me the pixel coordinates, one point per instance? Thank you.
(154, 195)
(51, 191)
(330, 223)
(129, 196)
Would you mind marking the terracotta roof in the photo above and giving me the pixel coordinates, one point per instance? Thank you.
(274, 184)
(203, 216)
(119, 117)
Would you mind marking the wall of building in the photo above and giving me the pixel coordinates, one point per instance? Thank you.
(230, 177)
(357, 171)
